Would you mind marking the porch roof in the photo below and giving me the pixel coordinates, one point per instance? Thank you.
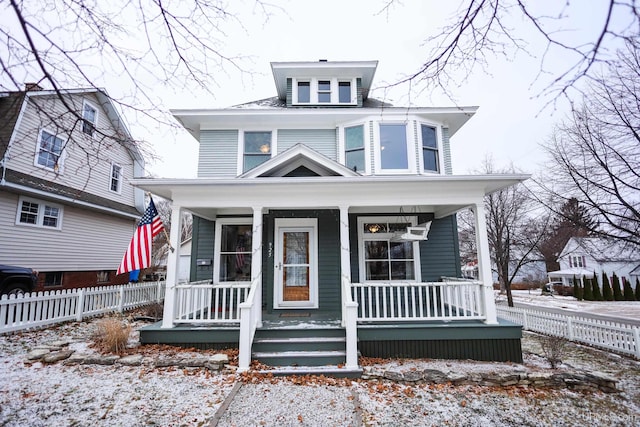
(438, 194)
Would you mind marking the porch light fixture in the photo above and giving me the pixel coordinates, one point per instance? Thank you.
(373, 228)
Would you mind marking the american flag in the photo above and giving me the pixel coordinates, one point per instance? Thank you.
(138, 255)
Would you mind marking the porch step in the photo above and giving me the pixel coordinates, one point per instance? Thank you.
(301, 358)
(336, 371)
(299, 344)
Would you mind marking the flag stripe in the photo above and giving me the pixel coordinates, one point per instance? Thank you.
(138, 254)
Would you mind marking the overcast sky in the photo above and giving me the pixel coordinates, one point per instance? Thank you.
(511, 121)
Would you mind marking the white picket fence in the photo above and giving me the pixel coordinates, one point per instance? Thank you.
(612, 336)
(46, 308)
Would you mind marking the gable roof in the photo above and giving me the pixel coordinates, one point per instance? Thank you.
(299, 156)
(602, 249)
(10, 106)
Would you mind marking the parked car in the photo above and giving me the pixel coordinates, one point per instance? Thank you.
(17, 280)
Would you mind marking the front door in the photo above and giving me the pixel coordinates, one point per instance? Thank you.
(296, 263)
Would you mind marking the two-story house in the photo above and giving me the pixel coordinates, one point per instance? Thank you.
(324, 226)
(67, 208)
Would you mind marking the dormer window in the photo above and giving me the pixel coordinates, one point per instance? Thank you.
(344, 92)
(304, 92)
(324, 91)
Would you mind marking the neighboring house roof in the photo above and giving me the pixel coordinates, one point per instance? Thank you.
(299, 156)
(49, 189)
(571, 272)
(10, 105)
(602, 249)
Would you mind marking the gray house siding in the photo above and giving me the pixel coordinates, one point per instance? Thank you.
(321, 140)
(202, 248)
(218, 153)
(440, 255)
(446, 151)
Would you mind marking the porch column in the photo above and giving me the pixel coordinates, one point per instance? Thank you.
(172, 267)
(349, 307)
(484, 263)
(345, 259)
(256, 259)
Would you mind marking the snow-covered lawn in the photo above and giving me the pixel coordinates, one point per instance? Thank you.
(35, 394)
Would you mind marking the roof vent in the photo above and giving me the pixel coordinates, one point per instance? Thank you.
(322, 60)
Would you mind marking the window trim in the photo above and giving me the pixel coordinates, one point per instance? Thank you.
(241, 132)
(61, 157)
(410, 145)
(342, 144)
(40, 214)
(84, 120)
(438, 149)
(217, 252)
(362, 237)
(334, 90)
(119, 190)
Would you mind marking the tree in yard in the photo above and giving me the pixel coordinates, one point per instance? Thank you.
(615, 285)
(571, 220)
(597, 295)
(577, 291)
(628, 290)
(594, 156)
(482, 30)
(637, 293)
(587, 289)
(607, 292)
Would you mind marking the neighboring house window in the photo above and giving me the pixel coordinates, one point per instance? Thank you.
(39, 213)
(89, 118)
(115, 183)
(235, 253)
(49, 151)
(393, 146)
(53, 279)
(324, 91)
(354, 148)
(577, 261)
(429, 148)
(102, 277)
(304, 92)
(344, 92)
(383, 258)
(257, 149)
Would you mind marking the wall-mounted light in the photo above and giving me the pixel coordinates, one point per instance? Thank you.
(373, 228)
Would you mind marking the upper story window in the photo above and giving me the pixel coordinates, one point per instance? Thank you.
(577, 261)
(344, 92)
(89, 118)
(324, 91)
(429, 148)
(393, 146)
(115, 182)
(304, 92)
(257, 149)
(49, 151)
(39, 213)
(354, 148)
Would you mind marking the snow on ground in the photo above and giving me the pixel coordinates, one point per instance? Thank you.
(622, 309)
(91, 395)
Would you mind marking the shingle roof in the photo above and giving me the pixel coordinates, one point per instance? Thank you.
(10, 104)
(276, 103)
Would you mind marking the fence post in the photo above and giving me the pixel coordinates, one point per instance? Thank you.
(636, 338)
(80, 305)
(569, 328)
(121, 300)
(158, 291)
(525, 322)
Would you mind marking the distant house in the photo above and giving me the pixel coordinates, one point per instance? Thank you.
(67, 208)
(325, 225)
(582, 256)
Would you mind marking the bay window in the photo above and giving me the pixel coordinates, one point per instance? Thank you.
(393, 146)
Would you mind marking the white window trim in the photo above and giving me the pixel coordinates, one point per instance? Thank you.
(313, 87)
(218, 242)
(409, 140)
(362, 237)
(439, 147)
(274, 145)
(342, 143)
(63, 153)
(95, 123)
(40, 215)
(119, 190)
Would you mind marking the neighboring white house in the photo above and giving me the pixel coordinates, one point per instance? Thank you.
(584, 256)
(325, 202)
(67, 208)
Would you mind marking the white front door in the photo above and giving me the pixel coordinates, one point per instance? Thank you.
(296, 263)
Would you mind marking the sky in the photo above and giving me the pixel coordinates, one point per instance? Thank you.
(509, 126)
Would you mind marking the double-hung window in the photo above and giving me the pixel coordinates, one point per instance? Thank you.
(115, 182)
(39, 213)
(393, 146)
(89, 118)
(304, 92)
(344, 92)
(577, 261)
(429, 148)
(324, 91)
(257, 149)
(354, 148)
(49, 150)
(383, 258)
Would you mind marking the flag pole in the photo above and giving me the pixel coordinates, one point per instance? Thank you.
(165, 231)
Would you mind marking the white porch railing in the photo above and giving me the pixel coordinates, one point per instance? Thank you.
(350, 324)
(614, 336)
(204, 302)
(408, 301)
(251, 319)
(39, 309)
